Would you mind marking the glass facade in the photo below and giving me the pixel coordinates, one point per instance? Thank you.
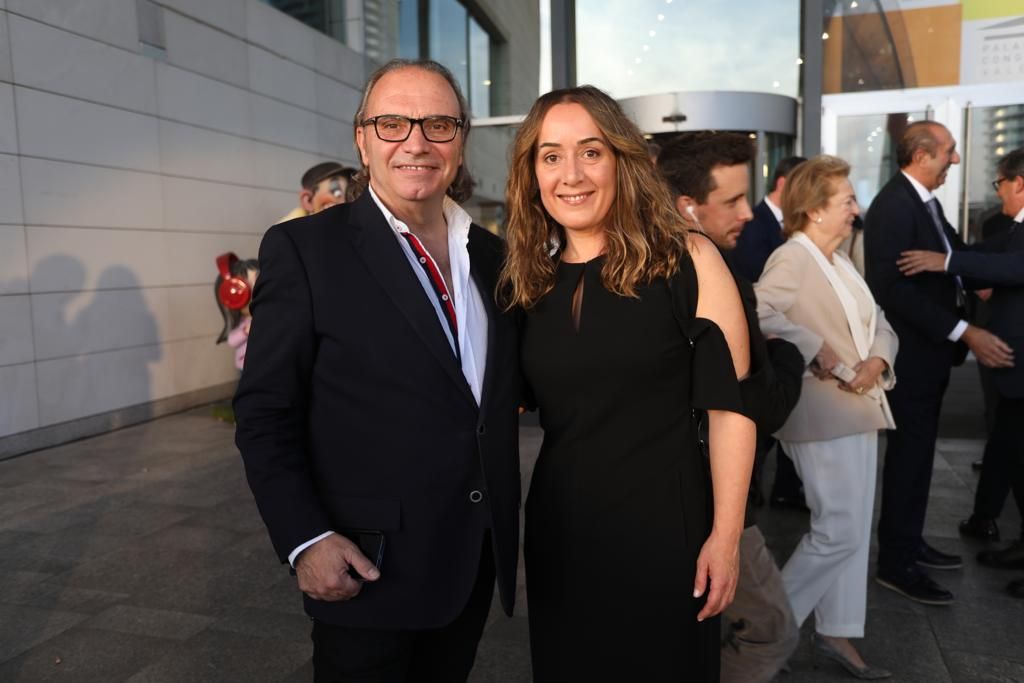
(989, 134)
(326, 16)
(448, 40)
(868, 143)
(458, 41)
(631, 48)
(409, 29)
(443, 30)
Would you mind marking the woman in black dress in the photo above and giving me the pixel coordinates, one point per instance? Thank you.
(629, 325)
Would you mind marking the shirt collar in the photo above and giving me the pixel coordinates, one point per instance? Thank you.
(1019, 218)
(923, 192)
(776, 211)
(454, 215)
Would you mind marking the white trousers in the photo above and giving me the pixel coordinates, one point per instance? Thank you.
(828, 571)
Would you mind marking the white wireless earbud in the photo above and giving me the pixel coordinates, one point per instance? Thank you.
(693, 214)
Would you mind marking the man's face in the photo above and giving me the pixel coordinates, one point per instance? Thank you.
(416, 170)
(325, 195)
(726, 210)
(1011, 194)
(933, 169)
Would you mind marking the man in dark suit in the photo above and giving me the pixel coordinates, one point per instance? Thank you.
(763, 233)
(707, 172)
(926, 311)
(998, 262)
(377, 414)
(760, 237)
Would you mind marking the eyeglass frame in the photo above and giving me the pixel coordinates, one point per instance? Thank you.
(999, 181)
(459, 123)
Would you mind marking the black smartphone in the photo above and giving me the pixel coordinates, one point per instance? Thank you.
(370, 543)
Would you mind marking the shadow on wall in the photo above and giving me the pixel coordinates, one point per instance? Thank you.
(96, 348)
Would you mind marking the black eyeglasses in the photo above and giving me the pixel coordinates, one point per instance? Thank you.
(395, 128)
(997, 182)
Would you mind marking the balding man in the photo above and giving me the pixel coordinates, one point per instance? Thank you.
(928, 316)
(377, 415)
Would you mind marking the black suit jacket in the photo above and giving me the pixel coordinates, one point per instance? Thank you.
(921, 309)
(760, 237)
(999, 262)
(771, 390)
(353, 413)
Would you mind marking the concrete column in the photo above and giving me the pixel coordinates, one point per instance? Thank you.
(563, 44)
(811, 22)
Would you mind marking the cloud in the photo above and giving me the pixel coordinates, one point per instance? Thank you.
(710, 45)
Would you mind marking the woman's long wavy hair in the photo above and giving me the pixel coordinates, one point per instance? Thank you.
(645, 238)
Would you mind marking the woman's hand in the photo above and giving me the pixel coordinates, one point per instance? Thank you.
(868, 371)
(823, 363)
(719, 565)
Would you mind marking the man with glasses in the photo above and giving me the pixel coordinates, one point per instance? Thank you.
(323, 186)
(997, 263)
(377, 418)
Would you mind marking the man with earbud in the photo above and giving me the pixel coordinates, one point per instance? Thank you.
(709, 178)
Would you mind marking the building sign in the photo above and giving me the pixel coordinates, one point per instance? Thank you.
(992, 44)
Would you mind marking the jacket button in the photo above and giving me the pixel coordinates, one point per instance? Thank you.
(481, 429)
(475, 496)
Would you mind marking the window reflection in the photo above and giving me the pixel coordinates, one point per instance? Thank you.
(991, 133)
(479, 70)
(409, 29)
(443, 30)
(326, 16)
(868, 143)
(449, 42)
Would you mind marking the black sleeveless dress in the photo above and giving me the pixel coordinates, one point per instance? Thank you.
(620, 501)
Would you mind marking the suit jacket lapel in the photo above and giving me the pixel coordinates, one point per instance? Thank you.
(377, 245)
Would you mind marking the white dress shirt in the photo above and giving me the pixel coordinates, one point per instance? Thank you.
(776, 211)
(926, 196)
(470, 311)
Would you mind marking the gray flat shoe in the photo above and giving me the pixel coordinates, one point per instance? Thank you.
(822, 647)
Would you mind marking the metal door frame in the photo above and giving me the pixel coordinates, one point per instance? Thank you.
(947, 105)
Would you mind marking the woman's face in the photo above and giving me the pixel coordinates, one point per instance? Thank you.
(837, 216)
(575, 169)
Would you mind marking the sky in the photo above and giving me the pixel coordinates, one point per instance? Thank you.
(642, 47)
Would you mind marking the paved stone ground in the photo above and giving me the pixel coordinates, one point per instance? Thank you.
(139, 556)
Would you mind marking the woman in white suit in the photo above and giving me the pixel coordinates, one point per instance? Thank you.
(812, 295)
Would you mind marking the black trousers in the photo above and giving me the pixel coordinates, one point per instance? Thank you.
(907, 473)
(444, 655)
(1003, 465)
(787, 481)
(996, 463)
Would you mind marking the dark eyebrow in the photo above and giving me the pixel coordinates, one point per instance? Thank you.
(584, 141)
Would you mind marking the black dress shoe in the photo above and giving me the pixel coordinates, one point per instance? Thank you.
(935, 559)
(917, 586)
(976, 465)
(979, 528)
(1016, 588)
(789, 502)
(1007, 558)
